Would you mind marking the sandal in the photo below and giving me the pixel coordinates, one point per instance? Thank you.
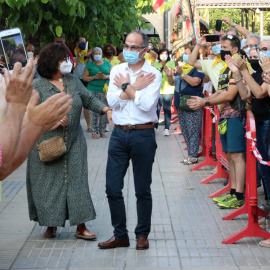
(50, 232)
(95, 136)
(89, 130)
(189, 161)
(85, 234)
(103, 135)
(183, 161)
(265, 243)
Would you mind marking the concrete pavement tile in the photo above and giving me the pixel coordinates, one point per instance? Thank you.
(196, 262)
(163, 262)
(141, 262)
(218, 262)
(183, 252)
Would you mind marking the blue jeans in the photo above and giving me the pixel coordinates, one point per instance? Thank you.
(139, 146)
(261, 133)
(166, 100)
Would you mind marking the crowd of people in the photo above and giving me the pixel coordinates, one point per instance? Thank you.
(129, 87)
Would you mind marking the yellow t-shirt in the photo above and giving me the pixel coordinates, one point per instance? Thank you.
(150, 60)
(115, 61)
(83, 54)
(166, 88)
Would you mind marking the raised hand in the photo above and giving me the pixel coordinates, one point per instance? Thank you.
(231, 64)
(239, 62)
(264, 62)
(168, 71)
(19, 85)
(47, 115)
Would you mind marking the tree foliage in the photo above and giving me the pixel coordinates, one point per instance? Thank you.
(235, 16)
(99, 21)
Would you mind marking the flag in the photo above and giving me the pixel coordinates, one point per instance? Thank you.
(183, 32)
(158, 6)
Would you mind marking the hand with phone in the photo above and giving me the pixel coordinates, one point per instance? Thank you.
(19, 84)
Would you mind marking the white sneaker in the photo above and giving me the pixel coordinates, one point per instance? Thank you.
(166, 132)
(108, 128)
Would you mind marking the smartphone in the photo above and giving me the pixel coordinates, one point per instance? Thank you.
(212, 38)
(218, 25)
(13, 47)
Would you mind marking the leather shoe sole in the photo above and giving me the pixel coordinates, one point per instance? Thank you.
(114, 243)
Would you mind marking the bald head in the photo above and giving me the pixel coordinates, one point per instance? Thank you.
(265, 44)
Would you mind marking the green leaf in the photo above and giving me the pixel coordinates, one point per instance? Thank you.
(118, 26)
(59, 30)
(72, 11)
(44, 1)
(11, 3)
(51, 28)
(81, 9)
(64, 7)
(33, 29)
(40, 15)
(95, 10)
(47, 15)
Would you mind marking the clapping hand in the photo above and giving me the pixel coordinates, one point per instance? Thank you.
(240, 63)
(266, 77)
(168, 71)
(231, 64)
(179, 70)
(196, 103)
(265, 62)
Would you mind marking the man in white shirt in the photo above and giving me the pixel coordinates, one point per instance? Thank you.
(133, 95)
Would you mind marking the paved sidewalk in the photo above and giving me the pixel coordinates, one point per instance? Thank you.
(187, 229)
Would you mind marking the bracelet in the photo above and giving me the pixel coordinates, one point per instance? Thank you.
(233, 25)
(238, 80)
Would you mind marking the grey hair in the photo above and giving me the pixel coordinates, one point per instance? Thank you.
(97, 49)
(144, 37)
(232, 29)
(254, 35)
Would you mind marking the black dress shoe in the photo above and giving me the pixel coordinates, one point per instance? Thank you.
(142, 243)
(114, 243)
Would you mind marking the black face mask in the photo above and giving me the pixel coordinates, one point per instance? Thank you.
(223, 53)
(255, 64)
(109, 53)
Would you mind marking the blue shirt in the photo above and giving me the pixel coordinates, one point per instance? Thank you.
(187, 89)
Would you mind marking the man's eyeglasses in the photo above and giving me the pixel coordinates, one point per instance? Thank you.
(252, 45)
(263, 49)
(132, 47)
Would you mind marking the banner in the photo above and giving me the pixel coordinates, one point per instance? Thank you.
(183, 32)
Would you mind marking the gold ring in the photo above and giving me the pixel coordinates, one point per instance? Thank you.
(61, 121)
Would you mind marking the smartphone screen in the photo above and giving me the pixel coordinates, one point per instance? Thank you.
(13, 50)
(218, 25)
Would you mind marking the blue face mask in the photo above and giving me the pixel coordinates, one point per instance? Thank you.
(264, 53)
(97, 57)
(247, 51)
(82, 46)
(243, 43)
(216, 49)
(185, 58)
(132, 57)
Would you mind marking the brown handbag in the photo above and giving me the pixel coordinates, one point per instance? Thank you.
(53, 148)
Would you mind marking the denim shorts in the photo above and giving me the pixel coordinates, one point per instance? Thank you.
(234, 139)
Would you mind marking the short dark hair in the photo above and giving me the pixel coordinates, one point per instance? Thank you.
(78, 38)
(49, 58)
(164, 50)
(234, 41)
(144, 37)
(111, 46)
(235, 31)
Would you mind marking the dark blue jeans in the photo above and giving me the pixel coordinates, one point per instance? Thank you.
(261, 133)
(139, 146)
(166, 100)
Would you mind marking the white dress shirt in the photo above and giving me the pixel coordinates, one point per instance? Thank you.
(141, 110)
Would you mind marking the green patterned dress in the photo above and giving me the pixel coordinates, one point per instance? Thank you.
(58, 191)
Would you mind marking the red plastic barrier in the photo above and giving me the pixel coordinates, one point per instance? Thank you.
(207, 142)
(251, 204)
(222, 163)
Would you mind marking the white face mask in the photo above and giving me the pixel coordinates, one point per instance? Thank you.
(163, 57)
(66, 67)
(30, 54)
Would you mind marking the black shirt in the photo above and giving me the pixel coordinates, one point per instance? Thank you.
(260, 107)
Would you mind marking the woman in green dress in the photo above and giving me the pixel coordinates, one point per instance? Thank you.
(97, 74)
(58, 190)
